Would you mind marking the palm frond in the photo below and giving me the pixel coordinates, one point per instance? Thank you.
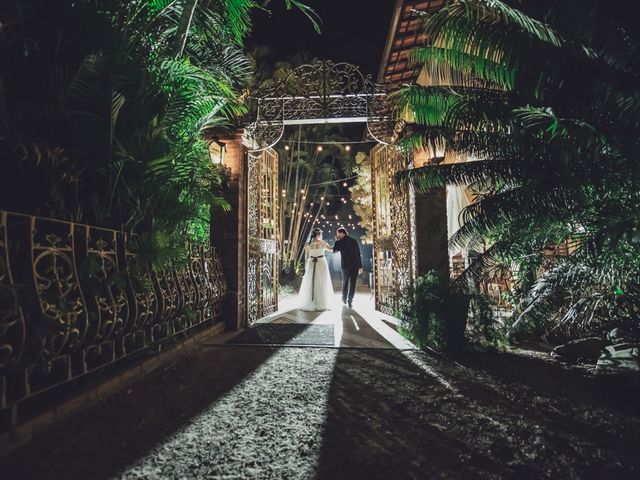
(455, 68)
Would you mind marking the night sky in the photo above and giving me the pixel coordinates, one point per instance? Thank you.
(353, 31)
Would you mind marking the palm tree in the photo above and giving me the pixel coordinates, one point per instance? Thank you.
(104, 113)
(545, 96)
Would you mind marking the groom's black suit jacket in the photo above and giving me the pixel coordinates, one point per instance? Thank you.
(349, 253)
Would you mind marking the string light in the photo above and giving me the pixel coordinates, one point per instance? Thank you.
(286, 147)
(333, 181)
(348, 148)
(320, 148)
(335, 142)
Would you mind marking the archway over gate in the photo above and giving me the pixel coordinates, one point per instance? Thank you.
(316, 93)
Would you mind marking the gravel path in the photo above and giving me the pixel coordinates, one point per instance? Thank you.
(251, 412)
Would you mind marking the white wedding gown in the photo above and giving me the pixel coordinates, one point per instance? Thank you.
(316, 290)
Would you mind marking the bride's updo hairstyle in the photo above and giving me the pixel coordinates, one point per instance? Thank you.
(315, 233)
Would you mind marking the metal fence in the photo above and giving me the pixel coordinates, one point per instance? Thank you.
(394, 234)
(73, 300)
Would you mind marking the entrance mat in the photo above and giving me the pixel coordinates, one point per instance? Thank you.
(286, 334)
(288, 320)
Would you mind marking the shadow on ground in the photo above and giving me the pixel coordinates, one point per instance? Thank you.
(108, 437)
(291, 412)
(410, 415)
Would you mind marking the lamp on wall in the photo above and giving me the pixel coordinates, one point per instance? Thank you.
(217, 149)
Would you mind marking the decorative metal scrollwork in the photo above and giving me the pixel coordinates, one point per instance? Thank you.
(382, 125)
(263, 270)
(394, 228)
(317, 92)
(64, 317)
(74, 300)
(12, 321)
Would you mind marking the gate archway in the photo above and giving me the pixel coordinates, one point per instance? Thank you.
(318, 93)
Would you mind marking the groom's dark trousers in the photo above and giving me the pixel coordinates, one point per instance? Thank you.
(349, 278)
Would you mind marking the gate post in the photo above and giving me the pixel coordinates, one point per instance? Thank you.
(229, 233)
(431, 233)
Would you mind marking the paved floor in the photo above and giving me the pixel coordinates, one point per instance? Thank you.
(284, 412)
(360, 326)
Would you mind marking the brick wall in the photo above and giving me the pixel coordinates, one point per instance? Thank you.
(229, 233)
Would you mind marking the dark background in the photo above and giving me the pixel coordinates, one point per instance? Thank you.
(353, 31)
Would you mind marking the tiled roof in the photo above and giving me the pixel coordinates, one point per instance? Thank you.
(404, 34)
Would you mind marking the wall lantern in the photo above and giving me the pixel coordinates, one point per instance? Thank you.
(217, 149)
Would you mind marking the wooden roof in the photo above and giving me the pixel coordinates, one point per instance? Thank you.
(404, 34)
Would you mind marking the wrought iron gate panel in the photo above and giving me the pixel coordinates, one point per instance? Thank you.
(393, 227)
(263, 265)
(319, 92)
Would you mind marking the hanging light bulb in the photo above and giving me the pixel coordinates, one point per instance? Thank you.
(286, 147)
(320, 148)
(344, 184)
(347, 148)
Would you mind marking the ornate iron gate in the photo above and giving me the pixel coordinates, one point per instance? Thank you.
(324, 92)
(393, 227)
(320, 92)
(263, 269)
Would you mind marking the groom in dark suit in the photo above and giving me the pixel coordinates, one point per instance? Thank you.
(350, 263)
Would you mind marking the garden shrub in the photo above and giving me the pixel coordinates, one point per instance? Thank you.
(433, 314)
(484, 329)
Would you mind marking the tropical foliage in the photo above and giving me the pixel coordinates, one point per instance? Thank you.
(361, 194)
(103, 108)
(544, 95)
(433, 314)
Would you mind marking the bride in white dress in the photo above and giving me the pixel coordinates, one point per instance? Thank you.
(316, 289)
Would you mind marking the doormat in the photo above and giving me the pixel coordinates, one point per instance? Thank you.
(285, 334)
(285, 320)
